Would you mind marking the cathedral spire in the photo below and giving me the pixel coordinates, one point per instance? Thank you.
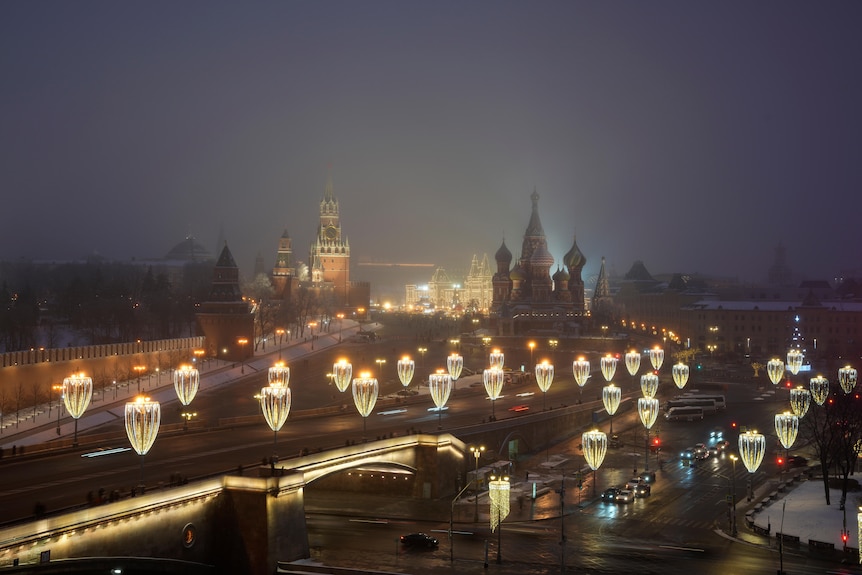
(603, 289)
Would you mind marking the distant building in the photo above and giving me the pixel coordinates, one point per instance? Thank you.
(226, 319)
(443, 292)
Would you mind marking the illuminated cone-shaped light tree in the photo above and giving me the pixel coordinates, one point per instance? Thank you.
(187, 380)
(752, 446)
(819, 387)
(275, 404)
(498, 491)
(544, 378)
(800, 400)
(406, 368)
(633, 362)
(496, 359)
(775, 370)
(440, 386)
(365, 390)
(143, 417)
(648, 412)
(649, 385)
(847, 378)
(493, 379)
(77, 392)
(656, 357)
(794, 360)
(609, 367)
(611, 396)
(680, 374)
(581, 370)
(454, 363)
(342, 373)
(595, 445)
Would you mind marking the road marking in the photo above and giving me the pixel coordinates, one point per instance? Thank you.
(675, 548)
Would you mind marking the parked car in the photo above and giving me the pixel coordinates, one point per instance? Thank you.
(420, 540)
(625, 496)
(797, 461)
(610, 494)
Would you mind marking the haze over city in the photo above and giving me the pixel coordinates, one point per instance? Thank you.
(694, 137)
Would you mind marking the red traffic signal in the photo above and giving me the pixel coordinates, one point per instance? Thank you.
(844, 536)
(780, 461)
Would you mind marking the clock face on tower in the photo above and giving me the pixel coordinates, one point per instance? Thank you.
(331, 232)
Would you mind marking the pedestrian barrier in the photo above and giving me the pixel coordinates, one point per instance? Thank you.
(788, 539)
(821, 546)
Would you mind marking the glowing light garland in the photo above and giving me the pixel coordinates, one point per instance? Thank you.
(633, 362)
(595, 445)
(186, 383)
(819, 387)
(342, 372)
(800, 400)
(775, 370)
(498, 490)
(440, 386)
(581, 371)
(680, 374)
(544, 375)
(656, 357)
(649, 385)
(406, 368)
(648, 411)
(611, 396)
(275, 405)
(786, 428)
(794, 361)
(493, 379)
(77, 392)
(609, 367)
(847, 378)
(365, 389)
(143, 417)
(455, 363)
(496, 359)
(278, 375)
(752, 446)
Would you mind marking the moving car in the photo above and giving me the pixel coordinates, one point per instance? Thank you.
(625, 496)
(642, 490)
(520, 408)
(610, 494)
(420, 540)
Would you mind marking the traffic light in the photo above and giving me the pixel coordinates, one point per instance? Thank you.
(656, 445)
(780, 461)
(844, 536)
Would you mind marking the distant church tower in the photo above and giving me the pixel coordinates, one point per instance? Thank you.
(330, 252)
(284, 272)
(225, 318)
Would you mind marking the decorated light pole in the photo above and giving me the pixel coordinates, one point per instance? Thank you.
(656, 357)
(633, 362)
(775, 370)
(496, 359)
(342, 373)
(752, 447)
(544, 378)
(847, 378)
(800, 400)
(493, 380)
(477, 453)
(498, 491)
(454, 363)
(680, 373)
(275, 402)
(609, 367)
(595, 445)
(186, 383)
(648, 412)
(794, 360)
(365, 389)
(77, 392)
(611, 396)
(440, 386)
(143, 417)
(819, 387)
(649, 385)
(786, 428)
(581, 371)
(406, 367)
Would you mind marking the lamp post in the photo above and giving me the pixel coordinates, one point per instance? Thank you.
(422, 351)
(275, 400)
(242, 341)
(648, 411)
(142, 417)
(77, 392)
(595, 445)
(365, 389)
(752, 446)
(340, 317)
(58, 388)
(733, 459)
(342, 373)
(186, 383)
(544, 378)
(199, 357)
(406, 368)
(380, 363)
(440, 386)
(493, 379)
(455, 364)
(498, 490)
(280, 333)
(553, 343)
(477, 453)
(532, 346)
(611, 396)
(139, 369)
(581, 371)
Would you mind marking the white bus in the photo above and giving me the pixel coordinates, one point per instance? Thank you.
(719, 400)
(684, 413)
(707, 405)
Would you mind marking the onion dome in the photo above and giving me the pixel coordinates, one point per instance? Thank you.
(503, 254)
(541, 257)
(574, 258)
(561, 275)
(517, 273)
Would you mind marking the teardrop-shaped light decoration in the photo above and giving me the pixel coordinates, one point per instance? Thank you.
(365, 390)
(279, 375)
(800, 401)
(455, 363)
(786, 428)
(493, 379)
(649, 385)
(656, 357)
(819, 387)
(752, 447)
(595, 444)
(342, 372)
(498, 493)
(544, 375)
(581, 370)
(77, 392)
(611, 396)
(440, 386)
(680, 374)
(406, 368)
(775, 370)
(496, 359)
(847, 378)
(143, 417)
(633, 362)
(609, 367)
(794, 360)
(186, 383)
(275, 405)
(648, 411)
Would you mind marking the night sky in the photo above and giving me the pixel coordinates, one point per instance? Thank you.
(695, 136)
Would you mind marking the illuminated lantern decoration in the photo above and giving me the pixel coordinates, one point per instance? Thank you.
(800, 400)
(752, 446)
(365, 389)
(342, 372)
(455, 363)
(611, 395)
(595, 445)
(186, 383)
(847, 378)
(775, 370)
(142, 425)
(786, 428)
(406, 368)
(544, 378)
(649, 385)
(493, 379)
(609, 367)
(680, 374)
(279, 375)
(440, 386)
(275, 405)
(794, 361)
(581, 370)
(77, 392)
(498, 491)
(633, 362)
(648, 411)
(656, 357)
(819, 387)
(496, 359)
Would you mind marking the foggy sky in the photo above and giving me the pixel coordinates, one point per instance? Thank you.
(693, 136)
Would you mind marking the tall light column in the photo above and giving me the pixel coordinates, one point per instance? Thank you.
(544, 378)
(649, 385)
(454, 363)
(365, 389)
(752, 447)
(477, 453)
(847, 378)
(819, 387)
(648, 412)
(77, 392)
(595, 445)
(440, 386)
(493, 379)
(143, 418)
(775, 370)
(680, 374)
(186, 384)
(581, 371)
(656, 357)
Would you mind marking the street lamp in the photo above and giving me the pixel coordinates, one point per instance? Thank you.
(609, 367)
(242, 341)
(595, 445)
(380, 363)
(847, 378)
(733, 459)
(648, 411)
(139, 369)
(498, 491)
(775, 370)
(553, 343)
(496, 359)
(786, 428)
(544, 377)
(455, 364)
(532, 346)
(680, 374)
(199, 356)
(493, 380)
(581, 371)
(752, 446)
(422, 351)
(406, 367)
(477, 453)
(440, 386)
(59, 389)
(649, 385)
(186, 383)
(340, 317)
(77, 392)
(280, 333)
(342, 372)
(365, 390)
(800, 400)
(142, 417)
(611, 396)
(656, 357)
(819, 389)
